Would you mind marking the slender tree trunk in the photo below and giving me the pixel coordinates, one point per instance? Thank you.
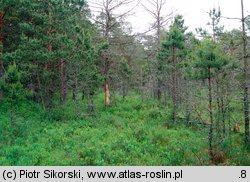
(74, 89)
(229, 123)
(51, 94)
(223, 110)
(2, 70)
(174, 86)
(83, 95)
(210, 112)
(74, 93)
(142, 83)
(106, 87)
(62, 82)
(246, 73)
(159, 89)
(107, 56)
(88, 104)
(227, 111)
(164, 93)
(159, 81)
(41, 92)
(216, 84)
(92, 104)
(124, 90)
(50, 67)
(107, 93)
(218, 126)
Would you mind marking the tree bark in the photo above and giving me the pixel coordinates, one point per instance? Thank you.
(41, 92)
(51, 94)
(210, 113)
(245, 83)
(223, 110)
(92, 104)
(159, 82)
(50, 69)
(74, 93)
(107, 55)
(74, 89)
(88, 104)
(174, 85)
(62, 82)
(107, 93)
(218, 125)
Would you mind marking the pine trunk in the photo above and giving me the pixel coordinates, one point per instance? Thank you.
(74, 89)
(106, 87)
(159, 82)
(210, 112)
(93, 104)
(159, 89)
(88, 104)
(51, 94)
(62, 82)
(50, 68)
(74, 93)
(174, 86)
(107, 93)
(218, 125)
(51, 86)
(41, 92)
(245, 84)
(223, 110)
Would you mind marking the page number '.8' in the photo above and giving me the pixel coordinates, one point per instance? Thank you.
(243, 174)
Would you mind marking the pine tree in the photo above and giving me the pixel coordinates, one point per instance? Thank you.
(9, 31)
(173, 50)
(215, 16)
(44, 45)
(84, 73)
(209, 57)
(246, 77)
(107, 22)
(13, 89)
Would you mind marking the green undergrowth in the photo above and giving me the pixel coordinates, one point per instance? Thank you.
(132, 132)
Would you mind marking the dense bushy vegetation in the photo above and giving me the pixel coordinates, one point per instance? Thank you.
(131, 133)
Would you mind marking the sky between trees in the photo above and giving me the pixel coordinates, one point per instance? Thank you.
(194, 12)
